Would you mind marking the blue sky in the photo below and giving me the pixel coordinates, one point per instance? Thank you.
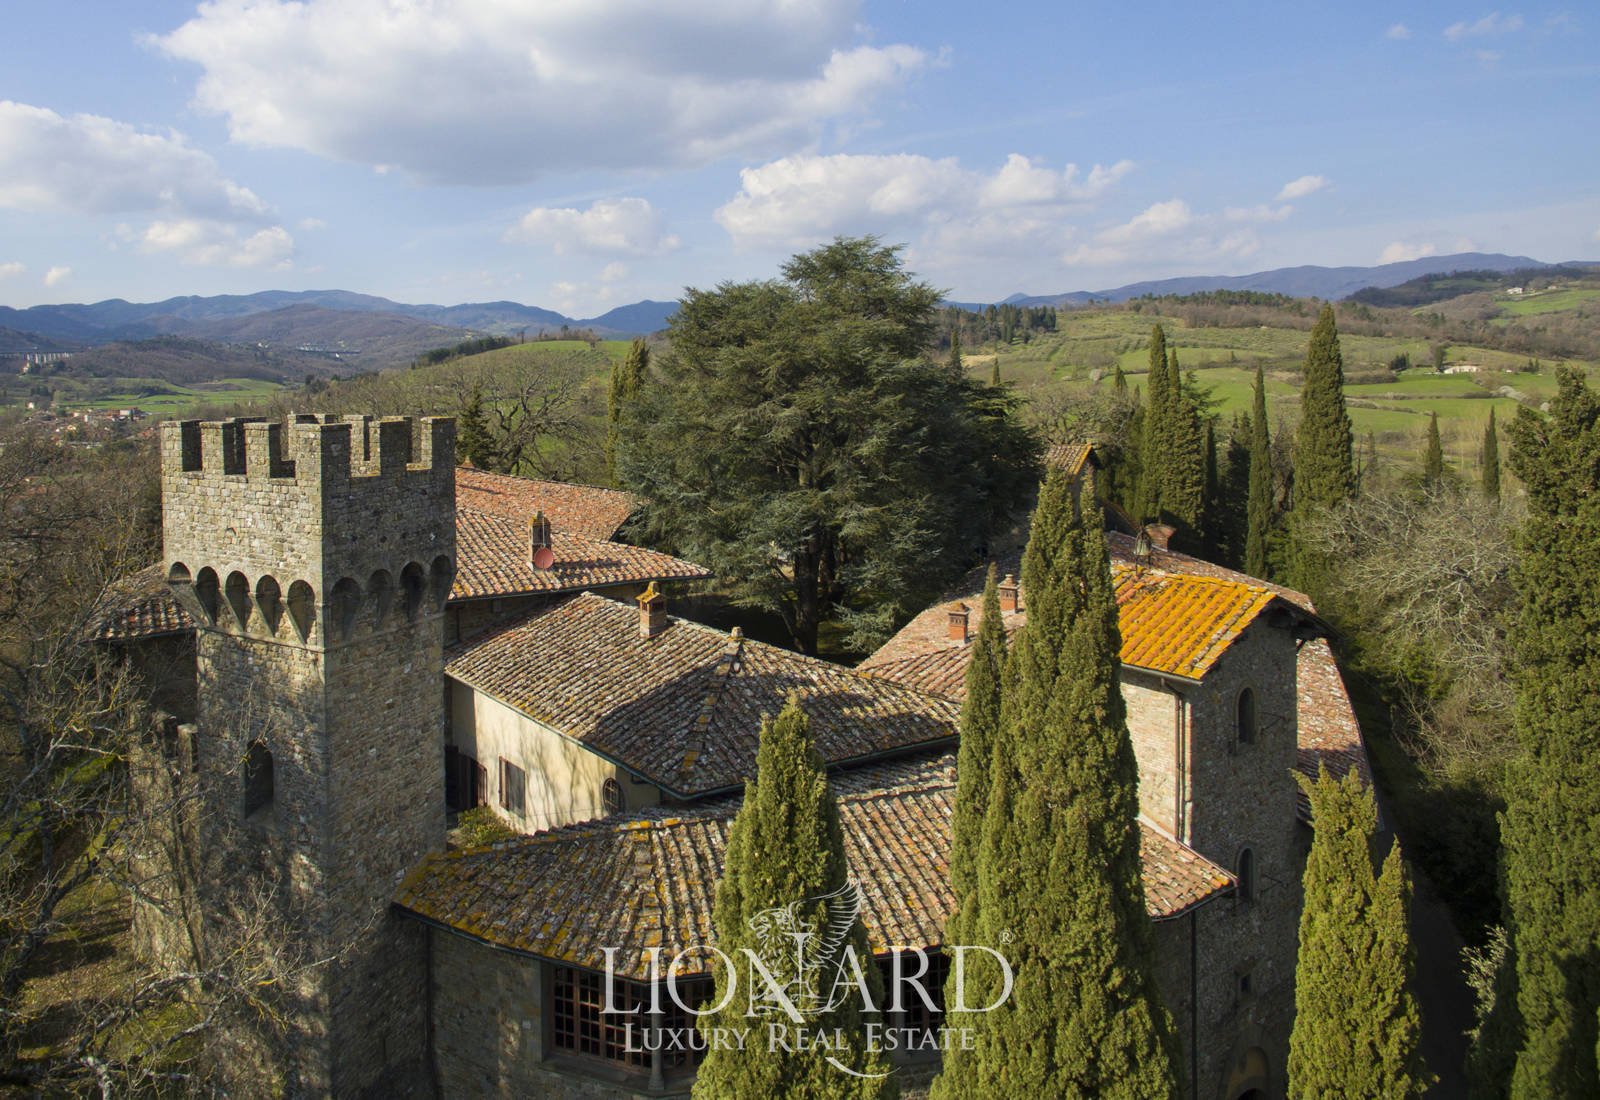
(581, 154)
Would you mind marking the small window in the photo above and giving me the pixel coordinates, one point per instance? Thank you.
(257, 778)
(611, 797)
(513, 787)
(1247, 716)
(1245, 872)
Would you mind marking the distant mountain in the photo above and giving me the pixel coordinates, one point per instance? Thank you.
(185, 362)
(641, 318)
(200, 317)
(1329, 283)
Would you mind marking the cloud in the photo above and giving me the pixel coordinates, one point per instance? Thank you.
(1172, 232)
(1158, 220)
(616, 227)
(89, 165)
(1488, 57)
(309, 224)
(1492, 24)
(1300, 188)
(1399, 32)
(1261, 212)
(11, 270)
(214, 244)
(1400, 252)
(800, 200)
(486, 92)
(57, 275)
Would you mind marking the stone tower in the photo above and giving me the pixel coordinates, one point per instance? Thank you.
(317, 556)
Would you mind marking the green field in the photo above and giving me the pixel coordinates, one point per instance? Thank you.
(169, 399)
(1080, 357)
(1550, 301)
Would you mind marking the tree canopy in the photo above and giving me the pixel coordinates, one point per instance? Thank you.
(800, 440)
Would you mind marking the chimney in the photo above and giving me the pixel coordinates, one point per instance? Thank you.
(652, 612)
(958, 623)
(1160, 534)
(1008, 593)
(540, 553)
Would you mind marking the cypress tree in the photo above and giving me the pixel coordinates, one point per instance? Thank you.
(1261, 478)
(1183, 490)
(1324, 470)
(1059, 862)
(955, 349)
(1357, 1029)
(1433, 455)
(1551, 862)
(627, 378)
(473, 441)
(785, 848)
(980, 729)
(1156, 435)
(994, 374)
(1491, 460)
(1119, 381)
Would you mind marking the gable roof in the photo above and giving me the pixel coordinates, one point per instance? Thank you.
(1070, 457)
(683, 709)
(1172, 623)
(140, 605)
(492, 553)
(586, 510)
(649, 879)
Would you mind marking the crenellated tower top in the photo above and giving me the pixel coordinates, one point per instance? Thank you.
(265, 524)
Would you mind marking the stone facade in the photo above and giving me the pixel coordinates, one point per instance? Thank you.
(1229, 795)
(317, 557)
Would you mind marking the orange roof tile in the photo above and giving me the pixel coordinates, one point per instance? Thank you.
(1068, 456)
(586, 510)
(650, 878)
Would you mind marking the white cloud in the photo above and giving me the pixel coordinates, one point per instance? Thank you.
(1300, 188)
(613, 271)
(800, 200)
(1597, 234)
(90, 165)
(1492, 24)
(616, 227)
(11, 270)
(214, 244)
(488, 92)
(1488, 57)
(1399, 32)
(57, 275)
(310, 224)
(1401, 251)
(1157, 220)
(1261, 212)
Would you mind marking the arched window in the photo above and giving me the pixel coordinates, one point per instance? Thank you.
(257, 778)
(611, 797)
(1245, 872)
(1246, 717)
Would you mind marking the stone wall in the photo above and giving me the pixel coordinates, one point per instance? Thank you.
(317, 558)
(1155, 717)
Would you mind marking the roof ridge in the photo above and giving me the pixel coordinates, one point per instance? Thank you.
(545, 480)
(721, 673)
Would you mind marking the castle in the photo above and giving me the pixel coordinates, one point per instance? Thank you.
(360, 643)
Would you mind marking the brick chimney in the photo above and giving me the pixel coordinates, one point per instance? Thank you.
(1160, 534)
(958, 623)
(652, 612)
(1008, 593)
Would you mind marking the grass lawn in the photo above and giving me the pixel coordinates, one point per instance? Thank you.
(170, 399)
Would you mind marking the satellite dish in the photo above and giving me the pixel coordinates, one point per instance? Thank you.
(543, 558)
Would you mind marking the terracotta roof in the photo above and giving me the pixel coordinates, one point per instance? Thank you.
(492, 560)
(649, 879)
(1068, 456)
(921, 656)
(684, 708)
(586, 510)
(140, 605)
(1171, 623)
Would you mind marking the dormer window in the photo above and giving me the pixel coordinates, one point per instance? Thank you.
(611, 797)
(1245, 717)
